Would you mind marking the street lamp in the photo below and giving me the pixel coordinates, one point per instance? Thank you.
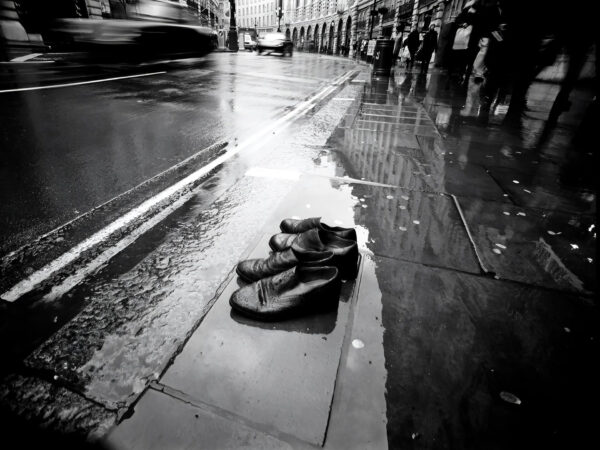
(372, 19)
(232, 35)
(279, 16)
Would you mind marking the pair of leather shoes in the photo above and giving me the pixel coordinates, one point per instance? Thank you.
(303, 273)
(312, 233)
(320, 246)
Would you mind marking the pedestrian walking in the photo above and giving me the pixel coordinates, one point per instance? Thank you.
(428, 46)
(397, 44)
(475, 21)
(412, 42)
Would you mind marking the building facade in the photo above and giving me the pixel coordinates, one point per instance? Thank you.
(258, 14)
(322, 26)
(338, 26)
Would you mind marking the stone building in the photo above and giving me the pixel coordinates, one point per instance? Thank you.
(335, 26)
(323, 26)
(258, 14)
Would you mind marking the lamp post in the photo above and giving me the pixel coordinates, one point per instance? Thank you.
(232, 35)
(279, 16)
(372, 20)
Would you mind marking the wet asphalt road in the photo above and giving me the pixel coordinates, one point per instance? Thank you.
(70, 149)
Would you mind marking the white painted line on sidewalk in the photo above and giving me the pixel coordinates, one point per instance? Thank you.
(278, 174)
(41, 275)
(343, 99)
(294, 175)
(79, 83)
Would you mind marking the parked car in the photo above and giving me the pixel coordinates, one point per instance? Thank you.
(275, 43)
(249, 43)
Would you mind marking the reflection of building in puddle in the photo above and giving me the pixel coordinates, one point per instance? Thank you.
(374, 155)
(392, 157)
(413, 225)
(381, 90)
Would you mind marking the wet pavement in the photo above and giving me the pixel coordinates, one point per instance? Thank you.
(472, 323)
(70, 149)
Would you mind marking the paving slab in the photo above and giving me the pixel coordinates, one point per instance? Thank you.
(456, 174)
(281, 376)
(454, 342)
(415, 226)
(540, 188)
(545, 248)
(358, 413)
(161, 421)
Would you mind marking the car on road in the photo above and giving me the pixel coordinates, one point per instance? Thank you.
(249, 43)
(134, 39)
(275, 43)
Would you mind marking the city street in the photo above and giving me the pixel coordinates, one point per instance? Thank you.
(129, 195)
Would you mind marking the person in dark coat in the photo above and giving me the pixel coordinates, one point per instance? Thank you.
(427, 48)
(412, 41)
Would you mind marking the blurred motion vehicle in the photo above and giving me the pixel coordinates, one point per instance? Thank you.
(275, 43)
(154, 29)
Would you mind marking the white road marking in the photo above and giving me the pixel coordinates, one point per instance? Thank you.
(35, 279)
(217, 146)
(25, 57)
(79, 83)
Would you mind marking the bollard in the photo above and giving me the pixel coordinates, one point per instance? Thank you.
(383, 57)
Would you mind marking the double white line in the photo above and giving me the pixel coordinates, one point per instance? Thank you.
(35, 279)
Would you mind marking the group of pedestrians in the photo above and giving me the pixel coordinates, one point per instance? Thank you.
(414, 49)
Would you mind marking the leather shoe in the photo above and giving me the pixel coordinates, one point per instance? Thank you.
(295, 226)
(289, 293)
(345, 252)
(254, 269)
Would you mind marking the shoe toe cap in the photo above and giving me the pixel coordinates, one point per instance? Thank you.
(247, 270)
(279, 242)
(245, 300)
(287, 225)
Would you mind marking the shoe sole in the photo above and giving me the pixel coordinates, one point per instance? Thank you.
(289, 314)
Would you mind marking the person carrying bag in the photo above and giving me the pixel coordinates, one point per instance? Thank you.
(462, 37)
